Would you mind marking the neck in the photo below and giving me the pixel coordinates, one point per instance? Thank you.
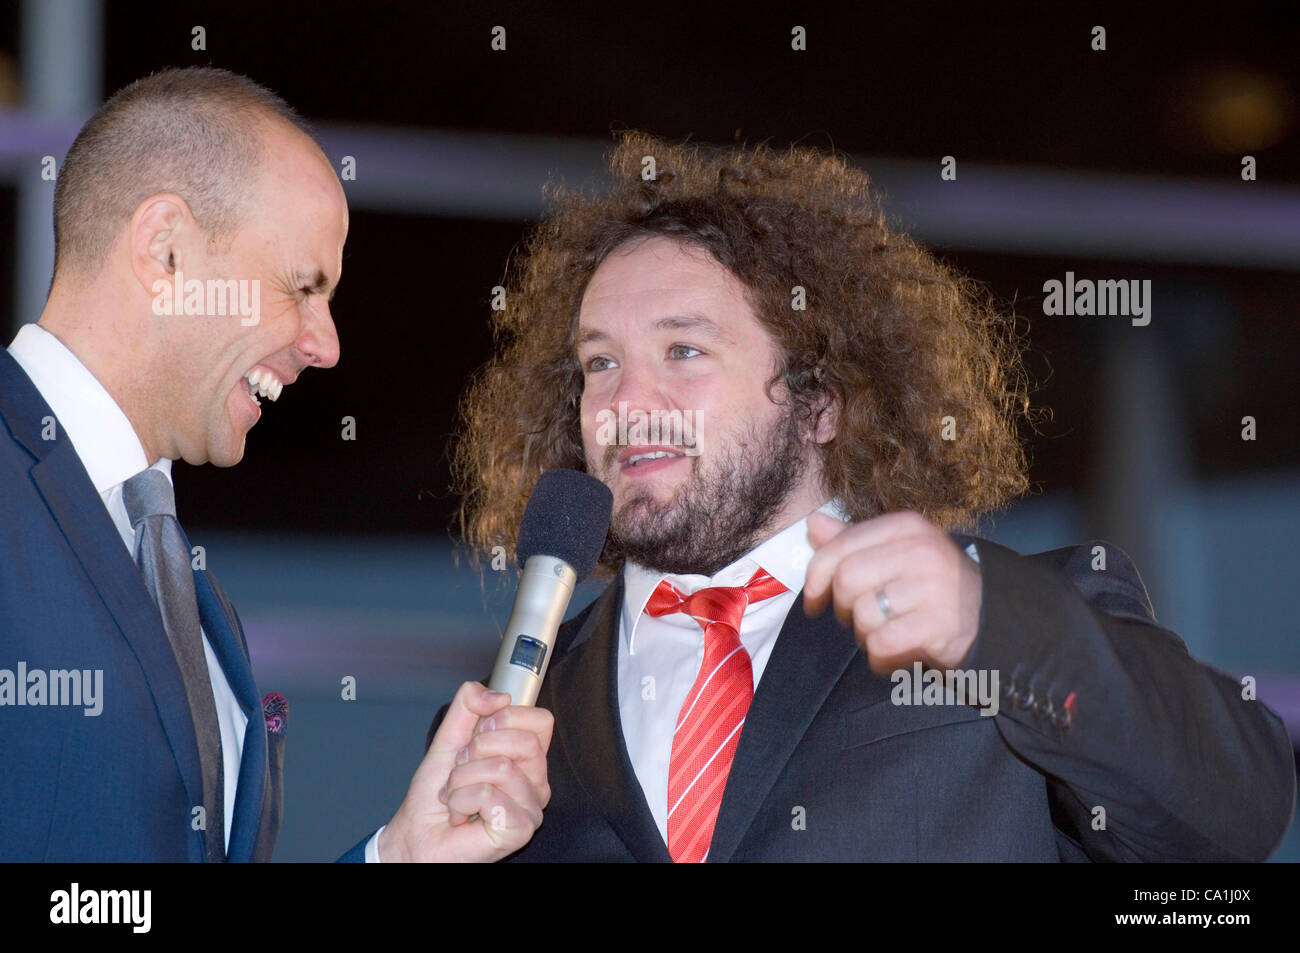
(804, 501)
(89, 324)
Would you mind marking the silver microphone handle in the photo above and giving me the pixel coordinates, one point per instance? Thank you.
(545, 588)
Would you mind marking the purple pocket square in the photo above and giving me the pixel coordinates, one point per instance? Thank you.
(276, 710)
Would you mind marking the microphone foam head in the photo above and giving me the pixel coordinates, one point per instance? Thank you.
(567, 517)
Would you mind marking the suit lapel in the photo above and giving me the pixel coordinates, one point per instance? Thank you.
(584, 685)
(221, 627)
(62, 481)
(808, 659)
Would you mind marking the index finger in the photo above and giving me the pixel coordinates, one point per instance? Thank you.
(472, 702)
(872, 532)
(539, 721)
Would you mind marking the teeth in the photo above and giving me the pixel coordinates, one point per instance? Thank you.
(264, 384)
(651, 456)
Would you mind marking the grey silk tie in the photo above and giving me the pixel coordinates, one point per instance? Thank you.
(163, 555)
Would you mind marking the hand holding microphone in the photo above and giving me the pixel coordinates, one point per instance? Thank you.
(479, 793)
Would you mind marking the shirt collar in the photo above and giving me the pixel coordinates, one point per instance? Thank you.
(100, 432)
(785, 557)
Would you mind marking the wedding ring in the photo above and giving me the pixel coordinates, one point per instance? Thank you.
(882, 601)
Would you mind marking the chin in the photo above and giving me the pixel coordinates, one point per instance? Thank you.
(230, 458)
(228, 454)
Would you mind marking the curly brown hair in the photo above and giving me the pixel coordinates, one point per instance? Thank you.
(895, 336)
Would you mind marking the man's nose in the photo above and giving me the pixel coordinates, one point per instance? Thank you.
(639, 387)
(319, 341)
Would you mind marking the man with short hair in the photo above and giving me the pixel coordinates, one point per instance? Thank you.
(199, 239)
(851, 402)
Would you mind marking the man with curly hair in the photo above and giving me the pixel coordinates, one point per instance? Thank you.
(853, 403)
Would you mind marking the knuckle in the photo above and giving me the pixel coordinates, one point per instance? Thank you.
(920, 551)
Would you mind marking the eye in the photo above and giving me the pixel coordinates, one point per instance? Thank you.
(673, 351)
(595, 364)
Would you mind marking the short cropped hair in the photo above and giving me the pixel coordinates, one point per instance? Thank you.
(194, 131)
(926, 369)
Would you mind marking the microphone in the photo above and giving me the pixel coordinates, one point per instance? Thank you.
(560, 539)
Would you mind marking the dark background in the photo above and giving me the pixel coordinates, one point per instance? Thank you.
(994, 83)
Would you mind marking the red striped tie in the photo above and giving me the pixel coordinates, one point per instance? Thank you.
(708, 727)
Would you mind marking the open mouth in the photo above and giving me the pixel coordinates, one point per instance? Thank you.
(648, 459)
(642, 458)
(263, 383)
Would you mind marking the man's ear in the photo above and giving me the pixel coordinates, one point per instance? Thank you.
(826, 411)
(826, 419)
(156, 228)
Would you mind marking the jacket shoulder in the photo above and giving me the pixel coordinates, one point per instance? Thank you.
(1102, 572)
(1105, 576)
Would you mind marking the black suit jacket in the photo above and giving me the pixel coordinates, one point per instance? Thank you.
(1162, 759)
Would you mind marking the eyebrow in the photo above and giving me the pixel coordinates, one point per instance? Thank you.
(672, 322)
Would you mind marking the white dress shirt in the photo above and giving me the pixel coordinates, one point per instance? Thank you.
(112, 453)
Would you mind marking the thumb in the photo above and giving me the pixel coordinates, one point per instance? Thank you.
(822, 529)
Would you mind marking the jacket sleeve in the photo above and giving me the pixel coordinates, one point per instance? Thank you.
(356, 854)
(1148, 754)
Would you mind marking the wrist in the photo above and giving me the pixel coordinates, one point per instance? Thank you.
(390, 844)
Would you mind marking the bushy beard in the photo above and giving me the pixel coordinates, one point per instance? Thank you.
(717, 516)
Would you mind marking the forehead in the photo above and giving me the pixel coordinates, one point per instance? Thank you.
(656, 275)
(300, 190)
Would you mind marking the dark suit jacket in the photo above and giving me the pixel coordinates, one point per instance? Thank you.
(120, 785)
(828, 768)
